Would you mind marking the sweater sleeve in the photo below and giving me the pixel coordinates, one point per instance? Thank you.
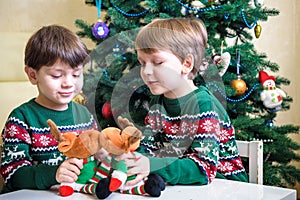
(194, 146)
(178, 171)
(35, 177)
(16, 148)
(20, 166)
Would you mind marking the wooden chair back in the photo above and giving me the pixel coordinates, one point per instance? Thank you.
(254, 151)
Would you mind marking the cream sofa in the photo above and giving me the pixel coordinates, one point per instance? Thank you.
(13, 94)
(14, 85)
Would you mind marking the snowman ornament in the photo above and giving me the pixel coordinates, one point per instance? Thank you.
(271, 96)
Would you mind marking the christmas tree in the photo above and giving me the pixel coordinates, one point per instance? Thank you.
(235, 72)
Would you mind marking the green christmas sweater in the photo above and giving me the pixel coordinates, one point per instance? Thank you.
(190, 140)
(30, 156)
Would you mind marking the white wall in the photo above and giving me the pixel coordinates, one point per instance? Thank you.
(280, 40)
(20, 18)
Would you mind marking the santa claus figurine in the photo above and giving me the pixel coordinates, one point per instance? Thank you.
(271, 96)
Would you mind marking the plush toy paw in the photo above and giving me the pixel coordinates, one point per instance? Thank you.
(102, 190)
(65, 190)
(154, 185)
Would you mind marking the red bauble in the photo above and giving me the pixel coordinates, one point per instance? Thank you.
(106, 110)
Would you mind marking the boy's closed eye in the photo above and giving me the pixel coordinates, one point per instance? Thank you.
(77, 75)
(77, 72)
(157, 63)
(56, 76)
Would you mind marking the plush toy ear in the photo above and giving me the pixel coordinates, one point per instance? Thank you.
(55, 132)
(69, 144)
(124, 122)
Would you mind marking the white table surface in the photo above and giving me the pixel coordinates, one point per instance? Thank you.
(218, 189)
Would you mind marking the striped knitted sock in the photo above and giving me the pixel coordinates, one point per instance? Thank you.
(88, 188)
(104, 168)
(138, 190)
(102, 171)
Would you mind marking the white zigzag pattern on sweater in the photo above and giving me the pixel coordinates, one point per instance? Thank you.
(12, 140)
(205, 158)
(69, 127)
(13, 119)
(234, 172)
(44, 149)
(207, 136)
(211, 114)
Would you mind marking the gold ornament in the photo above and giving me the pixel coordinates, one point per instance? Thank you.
(80, 98)
(257, 30)
(239, 85)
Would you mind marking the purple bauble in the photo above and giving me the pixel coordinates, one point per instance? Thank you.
(100, 30)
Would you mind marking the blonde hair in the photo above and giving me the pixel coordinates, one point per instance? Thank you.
(181, 36)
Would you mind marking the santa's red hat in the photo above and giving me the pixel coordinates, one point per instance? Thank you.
(263, 76)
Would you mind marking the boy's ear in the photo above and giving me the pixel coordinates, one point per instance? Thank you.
(188, 64)
(31, 74)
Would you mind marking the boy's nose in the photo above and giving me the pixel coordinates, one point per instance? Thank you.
(148, 69)
(68, 81)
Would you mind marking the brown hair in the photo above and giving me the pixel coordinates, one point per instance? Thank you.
(181, 36)
(52, 43)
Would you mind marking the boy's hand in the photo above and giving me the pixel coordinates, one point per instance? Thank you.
(137, 164)
(101, 155)
(69, 170)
